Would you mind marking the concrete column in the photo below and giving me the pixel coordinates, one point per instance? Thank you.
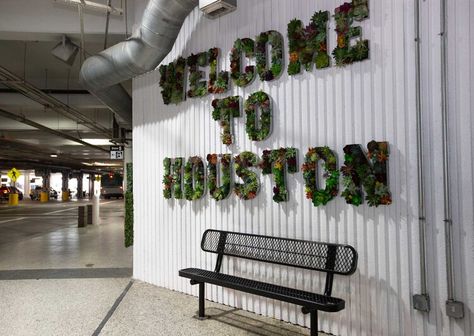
(65, 186)
(46, 180)
(27, 185)
(91, 185)
(44, 197)
(79, 186)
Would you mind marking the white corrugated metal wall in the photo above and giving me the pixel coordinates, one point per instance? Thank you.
(374, 99)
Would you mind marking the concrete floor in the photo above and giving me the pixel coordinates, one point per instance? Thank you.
(58, 279)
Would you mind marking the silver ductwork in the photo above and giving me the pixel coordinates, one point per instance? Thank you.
(152, 41)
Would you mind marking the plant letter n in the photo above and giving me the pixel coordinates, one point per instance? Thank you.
(369, 172)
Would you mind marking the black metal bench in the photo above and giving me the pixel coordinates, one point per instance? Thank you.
(329, 258)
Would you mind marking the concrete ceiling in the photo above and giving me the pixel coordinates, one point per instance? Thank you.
(29, 30)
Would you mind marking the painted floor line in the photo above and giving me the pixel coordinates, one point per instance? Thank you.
(58, 211)
(12, 220)
(112, 310)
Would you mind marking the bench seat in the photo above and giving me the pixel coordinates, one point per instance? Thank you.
(311, 301)
(332, 259)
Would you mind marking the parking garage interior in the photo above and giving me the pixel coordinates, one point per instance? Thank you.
(236, 167)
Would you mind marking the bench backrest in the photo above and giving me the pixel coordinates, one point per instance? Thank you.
(330, 258)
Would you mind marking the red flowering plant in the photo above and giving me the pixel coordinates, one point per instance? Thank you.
(218, 82)
(242, 46)
(345, 15)
(172, 81)
(275, 39)
(308, 45)
(224, 111)
(371, 173)
(274, 162)
(249, 189)
(310, 173)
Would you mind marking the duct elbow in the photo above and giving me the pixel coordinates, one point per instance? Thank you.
(102, 74)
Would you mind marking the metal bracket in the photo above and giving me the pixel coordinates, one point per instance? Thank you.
(455, 309)
(421, 302)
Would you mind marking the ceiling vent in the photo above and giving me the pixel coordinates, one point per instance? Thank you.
(215, 8)
(65, 50)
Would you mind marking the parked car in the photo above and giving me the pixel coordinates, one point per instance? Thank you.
(35, 194)
(5, 191)
(111, 191)
(53, 193)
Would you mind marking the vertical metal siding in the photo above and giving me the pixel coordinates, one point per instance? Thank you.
(374, 99)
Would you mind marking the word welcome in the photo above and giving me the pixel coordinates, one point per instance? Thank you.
(307, 45)
(360, 171)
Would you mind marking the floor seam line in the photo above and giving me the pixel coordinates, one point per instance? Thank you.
(112, 309)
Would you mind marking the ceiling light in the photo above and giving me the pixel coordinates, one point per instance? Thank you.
(97, 142)
(54, 155)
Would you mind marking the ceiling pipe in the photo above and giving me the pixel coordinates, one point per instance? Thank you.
(142, 52)
(34, 93)
(60, 134)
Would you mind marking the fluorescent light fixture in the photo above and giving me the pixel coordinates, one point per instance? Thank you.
(98, 142)
(54, 155)
(102, 164)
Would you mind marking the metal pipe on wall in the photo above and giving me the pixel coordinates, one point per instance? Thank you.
(454, 308)
(420, 301)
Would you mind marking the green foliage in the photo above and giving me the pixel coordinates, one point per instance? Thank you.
(308, 45)
(194, 186)
(172, 81)
(221, 192)
(242, 46)
(128, 229)
(197, 87)
(345, 15)
(249, 189)
(331, 173)
(218, 83)
(371, 173)
(275, 39)
(172, 181)
(274, 162)
(177, 173)
(224, 111)
(258, 100)
(167, 178)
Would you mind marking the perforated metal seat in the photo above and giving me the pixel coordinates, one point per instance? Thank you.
(291, 295)
(323, 257)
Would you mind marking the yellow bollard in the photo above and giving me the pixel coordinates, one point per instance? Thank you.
(44, 197)
(65, 196)
(13, 199)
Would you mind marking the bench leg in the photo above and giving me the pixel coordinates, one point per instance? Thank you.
(314, 323)
(201, 301)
